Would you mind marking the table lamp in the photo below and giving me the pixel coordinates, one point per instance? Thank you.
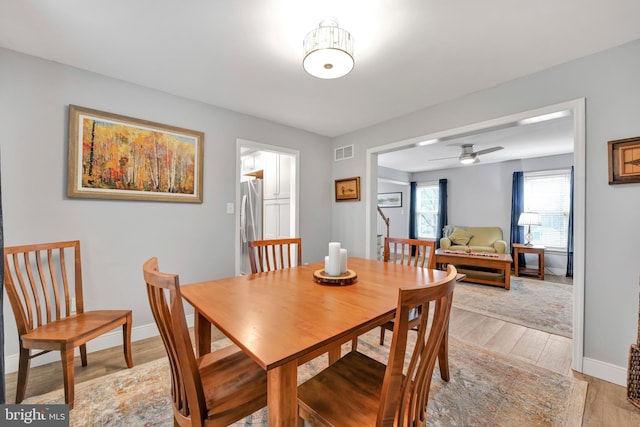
(529, 219)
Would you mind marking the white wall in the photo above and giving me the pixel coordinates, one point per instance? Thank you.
(609, 82)
(195, 240)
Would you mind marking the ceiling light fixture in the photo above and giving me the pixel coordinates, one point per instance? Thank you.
(328, 51)
(469, 159)
(544, 117)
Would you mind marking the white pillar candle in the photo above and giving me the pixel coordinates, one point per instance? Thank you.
(343, 260)
(326, 264)
(334, 259)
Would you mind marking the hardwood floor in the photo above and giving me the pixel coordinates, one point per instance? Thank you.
(606, 403)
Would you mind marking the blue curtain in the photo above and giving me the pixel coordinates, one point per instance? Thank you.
(517, 207)
(570, 229)
(413, 218)
(2, 385)
(443, 217)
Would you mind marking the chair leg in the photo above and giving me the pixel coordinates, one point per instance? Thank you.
(354, 344)
(443, 356)
(83, 354)
(66, 355)
(126, 341)
(382, 329)
(23, 374)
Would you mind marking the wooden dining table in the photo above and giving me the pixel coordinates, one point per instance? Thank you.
(283, 318)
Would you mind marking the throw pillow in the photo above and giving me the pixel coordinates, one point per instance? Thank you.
(460, 237)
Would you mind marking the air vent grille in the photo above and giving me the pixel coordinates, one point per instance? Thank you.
(343, 153)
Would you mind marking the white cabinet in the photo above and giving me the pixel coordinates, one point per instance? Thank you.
(277, 175)
(277, 219)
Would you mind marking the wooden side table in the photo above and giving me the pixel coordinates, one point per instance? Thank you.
(519, 248)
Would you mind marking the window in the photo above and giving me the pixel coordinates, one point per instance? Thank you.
(427, 202)
(548, 193)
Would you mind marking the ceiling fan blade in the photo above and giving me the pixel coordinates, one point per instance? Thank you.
(489, 150)
(444, 158)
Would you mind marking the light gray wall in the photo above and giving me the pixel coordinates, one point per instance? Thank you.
(609, 82)
(398, 217)
(195, 240)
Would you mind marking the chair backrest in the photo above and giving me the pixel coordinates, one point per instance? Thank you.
(414, 252)
(275, 254)
(404, 398)
(165, 301)
(41, 281)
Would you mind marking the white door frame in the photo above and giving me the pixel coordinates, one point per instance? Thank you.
(295, 183)
(577, 107)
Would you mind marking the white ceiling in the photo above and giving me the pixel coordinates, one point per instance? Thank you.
(540, 139)
(246, 55)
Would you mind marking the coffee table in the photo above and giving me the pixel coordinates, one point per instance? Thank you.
(501, 262)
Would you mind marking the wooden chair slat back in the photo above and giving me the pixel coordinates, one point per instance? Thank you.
(416, 252)
(166, 305)
(37, 283)
(404, 398)
(274, 254)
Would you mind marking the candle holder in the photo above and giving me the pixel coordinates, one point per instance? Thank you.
(344, 279)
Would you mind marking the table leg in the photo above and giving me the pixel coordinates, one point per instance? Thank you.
(541, 265)
(202, 332)
(516, 256)
(282, 395)
(507, 275)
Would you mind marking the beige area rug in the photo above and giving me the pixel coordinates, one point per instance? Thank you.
(541, 305)
(486, 389)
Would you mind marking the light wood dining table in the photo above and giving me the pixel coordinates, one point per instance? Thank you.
(283, 318)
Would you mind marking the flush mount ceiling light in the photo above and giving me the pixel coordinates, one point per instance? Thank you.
(328, 51)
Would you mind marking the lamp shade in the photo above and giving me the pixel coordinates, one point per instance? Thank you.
(529, 218)
(328, 51)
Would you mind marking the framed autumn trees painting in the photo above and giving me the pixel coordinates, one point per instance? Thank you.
(118, 157)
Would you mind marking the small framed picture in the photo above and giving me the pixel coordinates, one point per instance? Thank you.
(624, 161)
(348, 189)
(390, 200)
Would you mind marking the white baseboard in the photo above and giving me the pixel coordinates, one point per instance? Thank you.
(605, 371)
(108, 340)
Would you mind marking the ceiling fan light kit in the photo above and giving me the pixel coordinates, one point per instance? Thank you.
(328, 51)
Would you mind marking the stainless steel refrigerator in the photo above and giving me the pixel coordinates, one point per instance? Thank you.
(250, 219)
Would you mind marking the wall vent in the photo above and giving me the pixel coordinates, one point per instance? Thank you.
(343, 153)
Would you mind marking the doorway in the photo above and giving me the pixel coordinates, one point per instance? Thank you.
(266, 196)
(577, 109)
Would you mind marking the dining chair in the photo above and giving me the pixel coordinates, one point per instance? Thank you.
(359, 391)
(275, 254)
(413, 252)
(216, 389)
(41, 292)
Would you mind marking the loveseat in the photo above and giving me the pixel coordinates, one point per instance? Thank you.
(478, 239)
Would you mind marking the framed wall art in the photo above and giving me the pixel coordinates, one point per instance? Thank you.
(117, 157)
(347, 189)
(624, 161)
(390, 200)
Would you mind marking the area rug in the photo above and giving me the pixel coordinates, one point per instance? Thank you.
(486, 389)
(541, 305)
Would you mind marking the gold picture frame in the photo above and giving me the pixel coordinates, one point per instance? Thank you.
(624, 161)
(347, 189)
(117, 157)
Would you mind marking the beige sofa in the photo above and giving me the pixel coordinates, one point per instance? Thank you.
(478, 239)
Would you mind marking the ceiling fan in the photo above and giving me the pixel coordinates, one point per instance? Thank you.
(468, 156)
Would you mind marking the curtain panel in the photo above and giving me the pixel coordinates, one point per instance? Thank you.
(443, 216)
(517, 207)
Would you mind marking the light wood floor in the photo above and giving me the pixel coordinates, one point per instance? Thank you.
(606, 403)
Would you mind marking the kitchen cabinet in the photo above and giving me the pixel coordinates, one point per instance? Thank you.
(277, 175)
(277, 219)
